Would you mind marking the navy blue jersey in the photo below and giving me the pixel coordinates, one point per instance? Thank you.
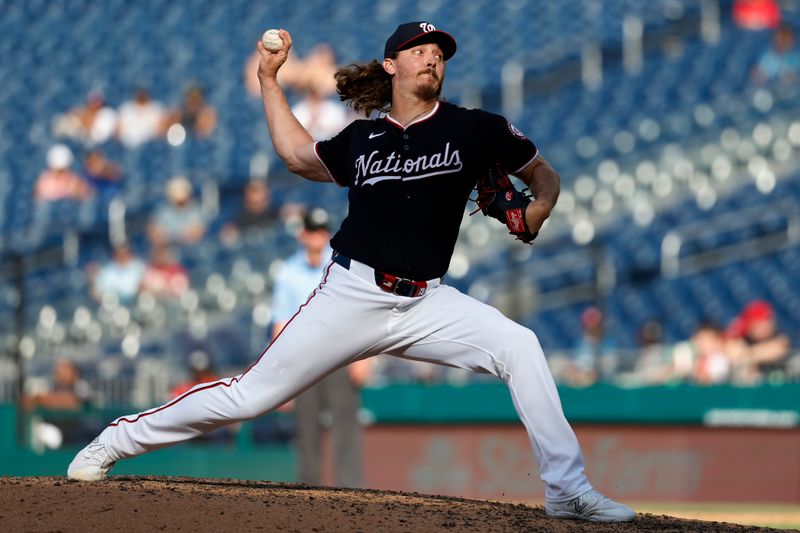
(409, 186)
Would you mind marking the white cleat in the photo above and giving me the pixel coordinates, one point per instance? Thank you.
(591, 506)
(91, 464)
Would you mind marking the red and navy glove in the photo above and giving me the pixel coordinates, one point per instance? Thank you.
(498, 198)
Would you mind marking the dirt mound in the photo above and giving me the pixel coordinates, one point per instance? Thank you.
(186, 504)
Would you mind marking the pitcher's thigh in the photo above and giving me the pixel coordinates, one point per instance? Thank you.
(331, 330)
(454, 329)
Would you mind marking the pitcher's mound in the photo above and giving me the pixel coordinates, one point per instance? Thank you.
(186, 504)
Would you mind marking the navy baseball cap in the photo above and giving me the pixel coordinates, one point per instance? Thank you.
(421, 32)
(316, 219)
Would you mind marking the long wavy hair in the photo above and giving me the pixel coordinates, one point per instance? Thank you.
(365, 87)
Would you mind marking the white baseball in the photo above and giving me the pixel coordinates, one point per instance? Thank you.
(272, 41)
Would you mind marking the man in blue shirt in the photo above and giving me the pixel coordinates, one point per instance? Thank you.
(121, 276)
(781, 63)
(335, 400)
(302, 271)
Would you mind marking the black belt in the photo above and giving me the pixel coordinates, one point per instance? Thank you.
(389, 282)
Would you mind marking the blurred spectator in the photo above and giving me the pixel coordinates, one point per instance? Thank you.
(122, 276)
(756, 14)
(654, 364)
(91, 124)
(198, 118)
(201, 371)
(713, 362)
(781, 62)
(334, 401)
(66, 391)
(297, 73)
(104, 176)
(757, 341)
(286, 75)
(180, 220)
(322, 117)
(164, 276)
(140, 120)
(58, 181)
(319, 67)
(594, 356)
(256, 212)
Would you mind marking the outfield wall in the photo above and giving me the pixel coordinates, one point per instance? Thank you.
(644, 463)
(654, 444)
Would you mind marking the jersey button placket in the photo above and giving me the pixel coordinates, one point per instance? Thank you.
(406, 148)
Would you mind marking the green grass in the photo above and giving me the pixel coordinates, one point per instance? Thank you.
(777, 515)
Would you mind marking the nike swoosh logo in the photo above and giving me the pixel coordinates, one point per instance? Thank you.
(373, 135)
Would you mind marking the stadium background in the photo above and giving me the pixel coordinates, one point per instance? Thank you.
(679, 204)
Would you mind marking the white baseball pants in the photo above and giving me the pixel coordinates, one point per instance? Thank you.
(348, 317)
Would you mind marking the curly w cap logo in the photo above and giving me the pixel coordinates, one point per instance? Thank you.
(515, 131)
(427, 26)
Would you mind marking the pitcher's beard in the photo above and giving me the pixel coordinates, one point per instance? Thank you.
(429, 91)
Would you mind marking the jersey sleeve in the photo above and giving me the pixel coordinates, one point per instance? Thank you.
(504, 143)
(333, 154)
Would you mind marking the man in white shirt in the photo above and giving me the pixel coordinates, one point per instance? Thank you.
(322, 117)
(140, 120)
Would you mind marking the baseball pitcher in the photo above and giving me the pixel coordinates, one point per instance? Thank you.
(409, 174)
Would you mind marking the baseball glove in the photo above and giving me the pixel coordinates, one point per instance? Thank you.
(498, 198)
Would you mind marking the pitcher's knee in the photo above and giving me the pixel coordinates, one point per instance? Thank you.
(256, 407)
(520, 342)
(521, 337)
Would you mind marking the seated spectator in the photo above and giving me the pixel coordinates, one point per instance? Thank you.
(781, 62)
(317, 68)
(104, 176)
(654, 364)
(594, 356)
(198, 118)
(164, 276)
(289, 72)
(66, 391)
(179, 221)
(256, 213)
(320, 64)
(200, 372)
(713, 362)
(322, 117)
(58, 181)
(91, 124)
(140, 120)
(757, 341)
(121, 277)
